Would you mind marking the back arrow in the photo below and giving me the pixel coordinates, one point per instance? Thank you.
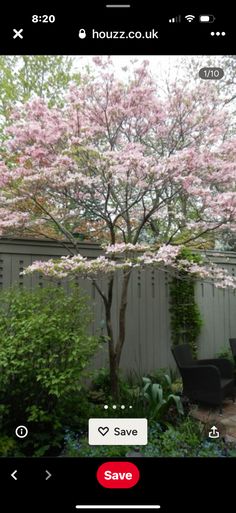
(13, 475)
(48, 475)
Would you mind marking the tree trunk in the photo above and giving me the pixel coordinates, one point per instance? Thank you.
(115, 350)
(114, 379)
(114, 376)
(122, 317)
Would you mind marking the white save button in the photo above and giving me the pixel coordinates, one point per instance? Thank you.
(118, 431)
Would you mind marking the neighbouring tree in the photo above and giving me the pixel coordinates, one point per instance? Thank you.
(46, 76)
(225, 88)
(126, 157)
(26, 76)
(29, 76)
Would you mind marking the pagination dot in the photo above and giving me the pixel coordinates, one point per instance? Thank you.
(105, 406)
(114, 406)
(122, 406)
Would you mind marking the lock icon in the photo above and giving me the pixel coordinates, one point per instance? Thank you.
(82, 34)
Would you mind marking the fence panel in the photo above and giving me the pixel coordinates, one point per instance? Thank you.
(148, 338)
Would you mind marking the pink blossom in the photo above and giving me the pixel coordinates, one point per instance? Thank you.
(122, 156)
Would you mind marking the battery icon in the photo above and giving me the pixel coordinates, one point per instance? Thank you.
(206, 18)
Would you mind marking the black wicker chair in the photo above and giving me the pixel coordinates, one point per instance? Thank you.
(207, 381)
(232, 342)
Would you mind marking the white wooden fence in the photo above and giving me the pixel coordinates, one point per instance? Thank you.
(148, 338)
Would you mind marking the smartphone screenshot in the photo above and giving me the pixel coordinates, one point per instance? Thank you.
(117, 258)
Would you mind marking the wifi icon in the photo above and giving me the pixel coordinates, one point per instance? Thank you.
(190, 17)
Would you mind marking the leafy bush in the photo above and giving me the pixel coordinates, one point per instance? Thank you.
(177, 386)
(168, 379)
(185, 316)
(44, 349)
(225, 352)
(157, 404)
(101, 388)
(162, 377)
(8, 446)
(148, 398)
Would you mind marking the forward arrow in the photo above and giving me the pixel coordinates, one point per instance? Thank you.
(48, 475)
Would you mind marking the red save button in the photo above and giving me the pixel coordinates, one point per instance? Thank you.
(118, 474)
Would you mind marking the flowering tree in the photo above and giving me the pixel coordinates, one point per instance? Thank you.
(146, 170)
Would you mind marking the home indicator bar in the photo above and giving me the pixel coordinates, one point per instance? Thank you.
(115, 506)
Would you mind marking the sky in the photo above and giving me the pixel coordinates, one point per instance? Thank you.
(162, 67)
(159, 64)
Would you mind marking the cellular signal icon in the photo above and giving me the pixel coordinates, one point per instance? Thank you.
(177, 19)
(190, 18)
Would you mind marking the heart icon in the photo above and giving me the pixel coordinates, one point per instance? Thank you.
(103, 430)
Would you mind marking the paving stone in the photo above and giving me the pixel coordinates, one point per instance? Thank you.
(228, 422)
(231, 416)
(227, 418)
(230, 439)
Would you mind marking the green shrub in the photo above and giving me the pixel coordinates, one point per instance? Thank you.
(157, 404)
(147, 397)
(100, 392)
(168, 379)
(44, 349)
(162, 377)
(8, 446)
(225, 352)
(177, 386)
(185, 316)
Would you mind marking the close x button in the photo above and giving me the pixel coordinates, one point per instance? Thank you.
(18, 33)
(118, 474)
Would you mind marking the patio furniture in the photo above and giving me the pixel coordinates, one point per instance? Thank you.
(207, 381)
(232, 342)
